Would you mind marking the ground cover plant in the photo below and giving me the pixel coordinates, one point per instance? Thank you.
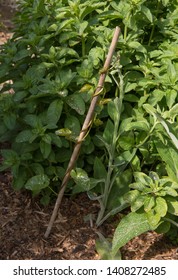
(129, 157)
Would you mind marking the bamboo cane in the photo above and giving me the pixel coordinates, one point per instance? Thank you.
(85, 127)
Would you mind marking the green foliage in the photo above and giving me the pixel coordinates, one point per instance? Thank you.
(130, 226)
(129, 158)
(53, 62)
(104, 249)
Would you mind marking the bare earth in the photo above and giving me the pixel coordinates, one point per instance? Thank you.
(23, 222)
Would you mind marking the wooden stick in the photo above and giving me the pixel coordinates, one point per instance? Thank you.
(85, 127)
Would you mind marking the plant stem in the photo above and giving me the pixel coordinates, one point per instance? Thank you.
(83, 46)
(108, 185)
(171, 221)
(125, 32)
(146, 138)
(154, 25)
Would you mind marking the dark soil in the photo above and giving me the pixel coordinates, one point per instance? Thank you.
(23, 222)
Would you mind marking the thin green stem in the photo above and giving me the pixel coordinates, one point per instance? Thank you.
(107, 187)
(83, 46)
(154, 25)
(171, 221)
(125, 32)
(52, 190)
(151, 35)
(147, 137)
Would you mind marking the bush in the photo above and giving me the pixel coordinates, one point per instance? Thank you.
(53, 63)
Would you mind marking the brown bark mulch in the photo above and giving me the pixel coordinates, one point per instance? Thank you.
(23, 222)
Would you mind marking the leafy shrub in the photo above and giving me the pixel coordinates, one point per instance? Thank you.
(53, 63)
(129, 158)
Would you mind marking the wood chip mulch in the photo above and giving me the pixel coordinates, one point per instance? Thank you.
(23, 222)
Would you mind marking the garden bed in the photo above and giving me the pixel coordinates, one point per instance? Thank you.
(23, 222)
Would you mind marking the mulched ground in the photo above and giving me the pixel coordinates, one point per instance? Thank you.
(23, 222)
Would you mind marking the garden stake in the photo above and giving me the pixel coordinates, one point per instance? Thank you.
(85, 127)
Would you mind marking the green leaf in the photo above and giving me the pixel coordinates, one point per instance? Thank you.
(131, 97)
(153, 218)
(149, 109)
(114, 109)
(56, 140)
(86, 69)
(163, 227)
(165, 2)
(131, 196)
(10, 157)
(156, 96)
(37, 168)
(20, 95)
(137, 203)
(137, 186)
(172, 204)
(64, 24)
(143, 178)
(170, 157)
(63, 155)
(108, 132)
(130, 226)
(161, 206)
(10, 120)
(170, 191)
(88, 9)
(72, 123)
(26, 156)
(173, 112)
(171, 96)
(63, 132)
(45, 148)
(119, 189)
(24, 136)
(127, 141)
(21, 54)
(53, 113)
(65, 76)
(138, 125)
(81, 178)
(137, 46)
(171, 72)
(96, 55)
(130, 87)
(149, 203)
(99, 169)
(124, 158)
(169, 130)
(33, 120)
(19, 181)
(75, 101)
(52, 27)
(37, 183)
(147, 13)
(83, 25)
